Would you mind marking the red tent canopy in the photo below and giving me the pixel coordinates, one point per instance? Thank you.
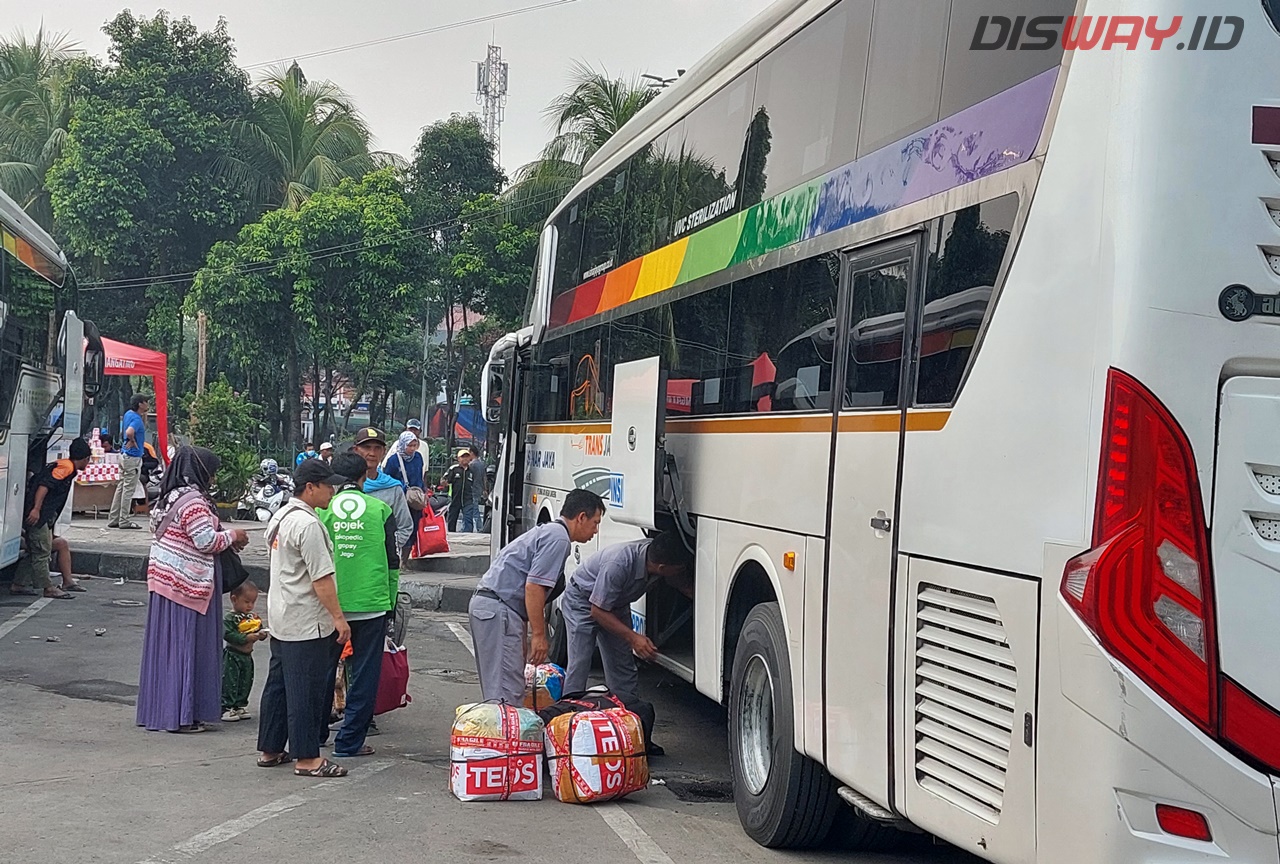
(125, 359)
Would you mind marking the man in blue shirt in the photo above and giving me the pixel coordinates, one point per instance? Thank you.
(308, 452)
(133, 434)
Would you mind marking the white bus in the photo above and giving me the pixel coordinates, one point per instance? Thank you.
(51, 362)
(971, 413)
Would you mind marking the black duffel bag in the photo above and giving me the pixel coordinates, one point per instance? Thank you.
(602, 700)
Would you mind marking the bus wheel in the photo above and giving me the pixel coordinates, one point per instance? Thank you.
(785, 799)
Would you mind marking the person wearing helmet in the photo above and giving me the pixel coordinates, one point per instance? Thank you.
(269, 467)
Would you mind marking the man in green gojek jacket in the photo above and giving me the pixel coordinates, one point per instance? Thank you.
(367, 563)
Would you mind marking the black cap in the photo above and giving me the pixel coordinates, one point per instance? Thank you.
(316, 471)
(350, 466)
(368, 434)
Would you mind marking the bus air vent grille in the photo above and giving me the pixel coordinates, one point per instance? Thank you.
(965, 689)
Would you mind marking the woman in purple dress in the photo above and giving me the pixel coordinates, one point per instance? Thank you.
(180, 687)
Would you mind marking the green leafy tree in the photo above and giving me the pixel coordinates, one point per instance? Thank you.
(453, 165)
(300, 137)
(35, 115)
(279, 301)
(133, 192)
(226, 423)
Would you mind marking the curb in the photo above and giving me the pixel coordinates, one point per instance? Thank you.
(450, 592)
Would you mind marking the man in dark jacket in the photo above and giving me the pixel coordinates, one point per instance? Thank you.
(47, 493)
(455, 479)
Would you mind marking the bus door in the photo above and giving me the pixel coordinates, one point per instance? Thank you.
(504, 416)
(877, 291)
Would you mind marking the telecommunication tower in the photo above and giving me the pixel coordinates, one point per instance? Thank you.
(491, 93)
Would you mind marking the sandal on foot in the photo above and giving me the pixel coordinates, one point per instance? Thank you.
(189, 730)
(75, 587)
(25, 592)
(366, 750)
(61, 595)
(324, 769)
(275, 761)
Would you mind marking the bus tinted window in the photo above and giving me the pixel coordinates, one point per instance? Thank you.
(904, 74)
(697, 353)
(965, 252)
(569, 247)
(808, 98)
(972, 76)
(602, 224)
(549, 383)
(781, 339)
(589, 377)
(651, 194)
(712, 155)
(875, 335)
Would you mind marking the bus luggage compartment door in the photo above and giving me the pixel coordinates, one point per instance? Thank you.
(1246, 535)
(638, 411)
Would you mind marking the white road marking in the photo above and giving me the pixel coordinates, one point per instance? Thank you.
(232, 828)
(8, 627)
(463, 636)
(629, 831)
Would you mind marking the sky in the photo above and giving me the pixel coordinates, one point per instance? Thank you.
(405, 85)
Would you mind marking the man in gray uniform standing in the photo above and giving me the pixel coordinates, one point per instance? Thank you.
(597, 609)
(512, 596)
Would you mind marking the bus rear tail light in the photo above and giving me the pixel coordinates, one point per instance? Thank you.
(1181, 822)
(1250, 726)
(1144, 589)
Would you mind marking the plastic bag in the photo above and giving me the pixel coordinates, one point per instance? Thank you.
(543, 685)
(596, 756)
(495, 753)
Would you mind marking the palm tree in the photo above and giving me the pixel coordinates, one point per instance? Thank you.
(300, 137)
(583, 119)
(35, 114)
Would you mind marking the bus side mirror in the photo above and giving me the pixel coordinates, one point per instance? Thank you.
(95, 361)
(493, 404)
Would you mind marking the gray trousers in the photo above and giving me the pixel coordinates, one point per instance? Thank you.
(122, 503)
(621, 672)
(498, 636)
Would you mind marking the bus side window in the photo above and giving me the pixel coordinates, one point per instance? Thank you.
(874, 372)
(966, 250)
(782, 337)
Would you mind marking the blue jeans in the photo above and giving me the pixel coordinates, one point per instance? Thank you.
(472, 521)
(368, 638)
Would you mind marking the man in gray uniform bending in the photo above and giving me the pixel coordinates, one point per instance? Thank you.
(512, 596)
(597, 608)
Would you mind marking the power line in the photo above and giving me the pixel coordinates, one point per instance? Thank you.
(496, 16)
(312, 254)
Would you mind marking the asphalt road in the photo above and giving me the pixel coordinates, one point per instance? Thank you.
(80, 782)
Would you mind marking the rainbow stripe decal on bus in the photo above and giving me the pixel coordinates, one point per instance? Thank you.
(984, 139)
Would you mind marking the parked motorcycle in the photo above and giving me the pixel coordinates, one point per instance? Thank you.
(269, 490)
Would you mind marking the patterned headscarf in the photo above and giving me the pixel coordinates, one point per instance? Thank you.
(191, 468)
(402, 443)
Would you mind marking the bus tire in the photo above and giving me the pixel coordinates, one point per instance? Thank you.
(785, 800)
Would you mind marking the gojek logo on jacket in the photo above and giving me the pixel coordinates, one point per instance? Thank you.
(348, 528)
